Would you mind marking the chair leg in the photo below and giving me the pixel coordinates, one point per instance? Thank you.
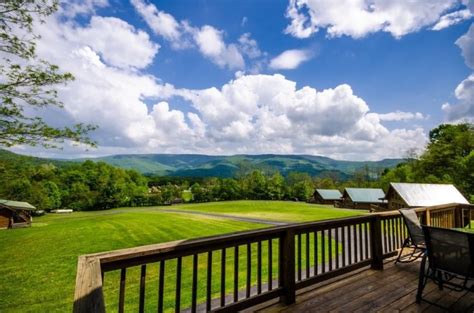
(401, 251)
(421, 280)
(440, 280)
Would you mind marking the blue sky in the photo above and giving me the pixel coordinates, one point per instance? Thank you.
(345, 79)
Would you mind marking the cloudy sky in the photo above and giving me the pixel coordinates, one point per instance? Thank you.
(352, 79)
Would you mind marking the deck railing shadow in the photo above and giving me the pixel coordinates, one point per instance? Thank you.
(236, 271)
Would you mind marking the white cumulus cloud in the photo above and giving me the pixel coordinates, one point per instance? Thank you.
(212, 46)
(466, 43)
(463, 110)
(362, 17)
(207, 39)
(452, 18)
(401, 116)
(290, 59)
(118, 42)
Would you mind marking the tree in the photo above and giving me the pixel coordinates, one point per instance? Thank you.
(448, 158)
(276, 186)
(27, 82)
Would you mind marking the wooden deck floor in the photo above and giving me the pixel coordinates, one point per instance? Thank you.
(390, 290)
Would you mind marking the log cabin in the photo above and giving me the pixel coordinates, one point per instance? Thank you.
(14, 214)
(411, 195)
(362, 198)
(326, 196)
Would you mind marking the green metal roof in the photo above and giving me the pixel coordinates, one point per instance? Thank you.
(367, 195)
(17, 204)
(329, 194)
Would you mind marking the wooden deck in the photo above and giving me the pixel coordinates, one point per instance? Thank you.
(390, 290)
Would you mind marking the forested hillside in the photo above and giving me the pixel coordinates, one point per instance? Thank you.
(88, 185)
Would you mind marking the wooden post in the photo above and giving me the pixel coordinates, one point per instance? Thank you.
(427, 217)
(376, 243)
(88, 295)
(458, 218)
(287, 267)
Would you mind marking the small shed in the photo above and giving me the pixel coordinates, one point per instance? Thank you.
(411, 195)
(363, 198)
(15, 214)
(326, 196)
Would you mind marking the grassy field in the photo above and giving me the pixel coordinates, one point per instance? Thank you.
(39, 263)
(271, 210)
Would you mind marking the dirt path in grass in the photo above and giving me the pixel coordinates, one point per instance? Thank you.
(230, 217)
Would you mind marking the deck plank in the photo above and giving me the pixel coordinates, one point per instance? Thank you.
(391, 290)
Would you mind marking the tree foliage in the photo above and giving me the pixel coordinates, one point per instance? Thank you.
(28, 83)
(448, 158)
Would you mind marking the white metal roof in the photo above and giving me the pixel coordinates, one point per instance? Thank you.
(416, 195)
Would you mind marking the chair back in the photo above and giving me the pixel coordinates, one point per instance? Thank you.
(450, 250)
(413, 225)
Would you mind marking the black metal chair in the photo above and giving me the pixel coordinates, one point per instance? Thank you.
(415, 239)
(450, 256)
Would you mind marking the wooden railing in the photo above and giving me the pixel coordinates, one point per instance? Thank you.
(236, 271)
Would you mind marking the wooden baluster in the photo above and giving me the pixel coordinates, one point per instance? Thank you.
(390, 227)
(349, 245)
(399, 232)
(270, 265)
(259, 267)
(323, 251)
(385, 235)
(177, 306)
(161, 285)
(299, 257)
(141, 306)
(330, 249)
(337, 247)
(236, 273)
(361, 243)
(307, 255)
(223, 260)
(366, 239)
(123, 277)
(209, 281)
(194, 283)
(315, 253)
(249, 269)
(343, 245)
(354, 234)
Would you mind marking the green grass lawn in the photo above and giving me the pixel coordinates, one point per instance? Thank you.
(272, 210)
(39, 263)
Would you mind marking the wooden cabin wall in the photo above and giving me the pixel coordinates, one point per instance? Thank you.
(5, 218)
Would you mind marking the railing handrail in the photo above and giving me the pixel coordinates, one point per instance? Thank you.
(88, 294)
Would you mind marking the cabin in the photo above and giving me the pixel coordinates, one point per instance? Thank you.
(15, 214)
(363, 198)
(411, 195)
(326, 196)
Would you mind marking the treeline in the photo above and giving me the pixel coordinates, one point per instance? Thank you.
(82, 186)
(448, 158)
(256, 185)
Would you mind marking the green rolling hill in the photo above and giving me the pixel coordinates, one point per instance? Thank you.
(197, 165)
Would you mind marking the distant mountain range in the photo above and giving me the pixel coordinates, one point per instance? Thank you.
(197, 165)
